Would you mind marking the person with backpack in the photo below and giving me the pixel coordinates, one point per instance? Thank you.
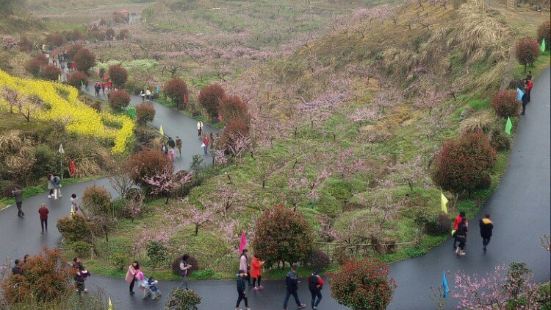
(256, 272)
(56, 181)
(315, 284)
(241, 283)
(291, 281)
(171, 143)
(80, 277)
(184, 270)
(486, 227)
(461, 237)
(525, 98)
(18, 194)
(456, 223)
(43, 212)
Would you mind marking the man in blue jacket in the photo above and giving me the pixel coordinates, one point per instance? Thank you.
(292, 287)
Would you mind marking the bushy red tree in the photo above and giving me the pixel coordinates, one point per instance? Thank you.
(46, 277)
(73, 50)
(234, 108)
(34, 64)
(145, 112)
(74, 35)
(118, 75)
(505, 103)
(211, 97)
(176, 90)
(84, 59)
(50, 72)
(282, 235)
(544, 32)
(147, 164)
(363, 285)
(55, 39)
(77, 79)
(527, 51)
(464, 164)
(119, 99)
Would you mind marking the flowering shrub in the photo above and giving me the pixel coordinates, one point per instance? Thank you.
(50, 72)
(527, 50)
(119, 99)
(181, 299)
(176, 90)
(318, 260)
(84, 59)
(505, 103)
(77, 79)
(464, 164)
(34, 64)
(46, 278)
(97, 200)
(145, 112)
(363, 285)
(147, 164)
(282, 235)
(64, 106)
(118, 75)
(211, 97)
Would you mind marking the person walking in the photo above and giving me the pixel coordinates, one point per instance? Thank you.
(130, 277)
(199, 128)
(244, 264)
(206, 143)
(43, 211)
(171, 142)
(184, 270)
(456, 223)
(142, 94)
(17, 268)
(80, 277)
(50, 186)
(529, 86)
(147, 94)
(524, 98)
(56, 182)
(461, 237)
(241, 276)
(179, 145)
(315, 284)
(74, 204)
(256, 272)
(486, 227)
(291, 281)
(18, 194)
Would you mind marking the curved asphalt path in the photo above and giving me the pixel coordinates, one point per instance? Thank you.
(520, 210)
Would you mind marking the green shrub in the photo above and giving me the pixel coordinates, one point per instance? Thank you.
(47, 159)
(204, 274)
(157, 252)
(81, 248)
(118, 260)
(74, 228)
(499, 141)
(97, 200)
(438, 225)
(181, 299)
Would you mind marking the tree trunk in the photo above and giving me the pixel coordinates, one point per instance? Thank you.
(196, 229)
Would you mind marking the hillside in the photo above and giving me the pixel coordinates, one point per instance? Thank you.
(345, 128)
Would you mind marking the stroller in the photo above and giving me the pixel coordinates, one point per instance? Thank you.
(151, 289)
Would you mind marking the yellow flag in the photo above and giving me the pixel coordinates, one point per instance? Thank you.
(444, 203)
(162, 131)
(110, 305)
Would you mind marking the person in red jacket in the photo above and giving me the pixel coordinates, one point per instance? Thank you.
(43, 211)
(315, 284)
(458, 219)
(256, 272)
(528, 86)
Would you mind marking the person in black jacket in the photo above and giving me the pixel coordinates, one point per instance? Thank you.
(461, 237)
(292, 287)
(17, 268)
(241, 283)
(486, 227)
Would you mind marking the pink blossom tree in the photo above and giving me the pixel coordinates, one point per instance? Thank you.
(167, 183)
(200, 217)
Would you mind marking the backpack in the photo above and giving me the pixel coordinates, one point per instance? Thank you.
(313, 282)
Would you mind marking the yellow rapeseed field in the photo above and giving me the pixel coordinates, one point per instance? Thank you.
(60, 103)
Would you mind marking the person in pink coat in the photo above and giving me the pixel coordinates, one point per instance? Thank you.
(131, 275)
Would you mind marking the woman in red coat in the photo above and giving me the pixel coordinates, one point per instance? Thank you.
(256, 272)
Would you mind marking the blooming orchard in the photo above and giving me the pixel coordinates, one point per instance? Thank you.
(60, 103)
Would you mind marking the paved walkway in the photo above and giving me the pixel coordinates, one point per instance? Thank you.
(520, 210)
